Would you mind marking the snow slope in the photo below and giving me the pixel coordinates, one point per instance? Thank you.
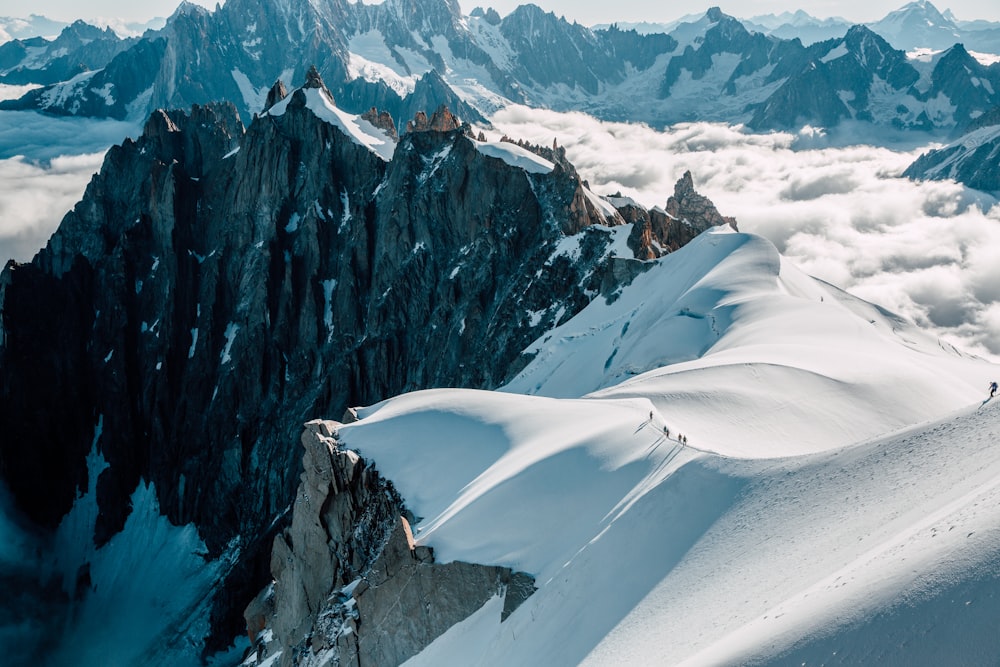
(800, 537)
(752, 357)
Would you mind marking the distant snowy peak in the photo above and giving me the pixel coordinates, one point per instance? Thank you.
(798, 25)
(918, 24)
(405, 56)
(921, 25)
(799, 19)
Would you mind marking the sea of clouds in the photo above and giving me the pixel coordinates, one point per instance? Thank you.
(45, 165)
(838, 209)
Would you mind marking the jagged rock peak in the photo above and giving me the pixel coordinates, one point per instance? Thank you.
(382, 120)
(442, 120)
(158, 124)
(348, 566)
(687, 205)
(171, 135)
(490, 15)
(277, 93)
(714, 14)
(313, 79)
(657, 232)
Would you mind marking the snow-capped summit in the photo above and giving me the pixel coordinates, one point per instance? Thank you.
(918, 24)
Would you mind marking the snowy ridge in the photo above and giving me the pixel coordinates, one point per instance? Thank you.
(736, 539)
(730, 334)
(515, 156)
(357, 128)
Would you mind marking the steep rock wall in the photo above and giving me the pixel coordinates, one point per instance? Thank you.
(350, 586)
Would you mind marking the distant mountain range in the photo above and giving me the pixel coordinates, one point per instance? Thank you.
(33, 26)
(916, 25)
(403, 56)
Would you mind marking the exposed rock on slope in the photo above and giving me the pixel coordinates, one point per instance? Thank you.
(215, 288)
(349, 585)
(658, 231)
(973, 159)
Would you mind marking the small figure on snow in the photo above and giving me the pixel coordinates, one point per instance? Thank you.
(666, 432)
(650, 415)
(993, 389)
(685, 439)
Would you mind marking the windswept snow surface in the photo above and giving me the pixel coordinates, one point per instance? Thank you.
(355, 127)
(515, 156)
(750, 355)
(802, 538)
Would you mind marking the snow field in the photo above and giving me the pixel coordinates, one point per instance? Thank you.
(815, 509)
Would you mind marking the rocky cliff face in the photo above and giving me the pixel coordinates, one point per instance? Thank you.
(658, 231)
(217, 287)
(350, 586)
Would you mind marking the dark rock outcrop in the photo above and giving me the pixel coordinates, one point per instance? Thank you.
(350, 586)
(658, 231)
(215, 288)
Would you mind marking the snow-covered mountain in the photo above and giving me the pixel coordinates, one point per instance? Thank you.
(768, 466)
(79, 48)
(919, 25)
(862, 77)
(217, 286)
(669, 444)
(404, 58)
(798, 24)
(972, 159)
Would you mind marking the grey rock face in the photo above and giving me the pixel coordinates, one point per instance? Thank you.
(973, 159)
(350, 586)
(201, 302)
(687, 214)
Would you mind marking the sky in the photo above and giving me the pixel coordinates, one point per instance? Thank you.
(587, 12)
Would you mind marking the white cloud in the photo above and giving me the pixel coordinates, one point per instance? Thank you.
(34, 198)
(40, 137)
(45, 165)
(928, 251)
